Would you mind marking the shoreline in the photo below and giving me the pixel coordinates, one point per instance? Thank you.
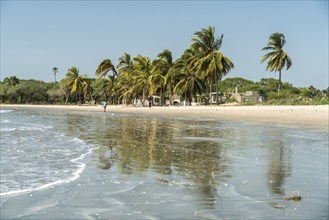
(302, 116)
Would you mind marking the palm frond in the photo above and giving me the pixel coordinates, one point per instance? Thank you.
(104, 67)
(289, 62)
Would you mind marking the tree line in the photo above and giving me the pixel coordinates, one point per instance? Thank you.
(19, 91)
(197, 73)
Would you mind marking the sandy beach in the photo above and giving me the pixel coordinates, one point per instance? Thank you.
(308, 116)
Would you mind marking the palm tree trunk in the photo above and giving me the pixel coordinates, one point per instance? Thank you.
(67, 96)
(143, 97)
(210, 91)
(79, 97)
(279, 86)
(170, 94)
(91, 97)
(161, 97)
(216, 90)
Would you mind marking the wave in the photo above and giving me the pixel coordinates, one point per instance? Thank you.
(75, 175)
(5, 111)
(48, 156)
(26, 128)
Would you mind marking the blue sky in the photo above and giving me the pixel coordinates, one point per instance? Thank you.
(39, 35)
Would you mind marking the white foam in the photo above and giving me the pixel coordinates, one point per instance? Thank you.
(75, 175)
(8, 129)
(14, 192)
(28, 128)
(81, 165)
(5, 111)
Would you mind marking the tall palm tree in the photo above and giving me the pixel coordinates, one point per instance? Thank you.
(55, 71)
(210, 61)
(277, 57)
(76, 83)
(104, 67)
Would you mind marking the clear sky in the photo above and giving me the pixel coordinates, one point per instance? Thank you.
(39, 35)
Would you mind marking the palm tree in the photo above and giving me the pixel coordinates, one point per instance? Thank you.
(123, 83)
(104, 67)
(104, 87)
(142, 72)
(189, 82)
(209, 60)
(77, 83)
(278, 58)
(11, 81)
(163, 73)
(122, 87)
(55, 71)
(125, 64)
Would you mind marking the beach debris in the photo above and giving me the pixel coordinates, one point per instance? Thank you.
(295, 196)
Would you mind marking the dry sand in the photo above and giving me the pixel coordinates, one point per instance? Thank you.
(306, 116)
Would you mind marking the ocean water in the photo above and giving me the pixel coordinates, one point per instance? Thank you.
(36, 153)
(94, 165)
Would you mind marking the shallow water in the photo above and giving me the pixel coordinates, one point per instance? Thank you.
(158, 168)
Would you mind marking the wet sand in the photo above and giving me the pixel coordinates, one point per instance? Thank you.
(306, 116)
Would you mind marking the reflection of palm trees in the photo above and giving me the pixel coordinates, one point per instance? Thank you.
(279, 167)
(160, 145)
(202, 165)
(174, 149)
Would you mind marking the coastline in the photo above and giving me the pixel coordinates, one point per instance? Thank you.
(303, 116)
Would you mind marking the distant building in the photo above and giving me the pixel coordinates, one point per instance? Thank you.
(221, 98)
(249, 96)
(156, 100)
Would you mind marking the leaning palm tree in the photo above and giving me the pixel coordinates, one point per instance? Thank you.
(277, 58)
(77, 83)
(55, 71)
(104, 67)
(209, 60)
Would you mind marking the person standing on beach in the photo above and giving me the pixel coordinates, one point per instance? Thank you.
(104, 104)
